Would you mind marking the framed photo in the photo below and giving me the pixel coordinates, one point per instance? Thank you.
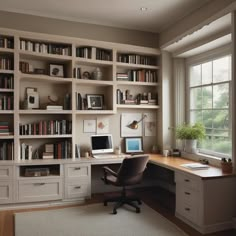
(95, 101)
(134, 145)
(56, 70)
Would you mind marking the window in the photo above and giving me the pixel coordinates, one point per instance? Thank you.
(210, 98)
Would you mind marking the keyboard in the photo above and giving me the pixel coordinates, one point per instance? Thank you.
(111, 155)
(105, 156)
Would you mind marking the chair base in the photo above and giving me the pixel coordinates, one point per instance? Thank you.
(121, 200)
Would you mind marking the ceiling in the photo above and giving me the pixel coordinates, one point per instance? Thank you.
(160, 14)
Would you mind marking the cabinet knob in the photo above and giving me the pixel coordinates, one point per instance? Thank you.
(187, 193)
(77, 168)
(187, 180)
(39, 184)
(187, 209)
(77, 187)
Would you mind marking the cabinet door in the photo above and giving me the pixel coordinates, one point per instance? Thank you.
(6, 172)
(39, 190)
(77, 189)
(6, 192)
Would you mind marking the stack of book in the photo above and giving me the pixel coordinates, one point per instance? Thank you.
(122, 76)
(48, 154)
(4, 128)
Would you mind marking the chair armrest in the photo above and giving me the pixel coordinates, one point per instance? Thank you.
(107, 170)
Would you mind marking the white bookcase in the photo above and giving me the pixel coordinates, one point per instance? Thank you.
(25, 60)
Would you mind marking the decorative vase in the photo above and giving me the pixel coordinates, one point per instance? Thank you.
(97, 74)
(191, 145)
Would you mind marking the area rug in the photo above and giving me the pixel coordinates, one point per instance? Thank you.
(94, 220)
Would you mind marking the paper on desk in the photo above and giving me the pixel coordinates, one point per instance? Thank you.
(195, 166)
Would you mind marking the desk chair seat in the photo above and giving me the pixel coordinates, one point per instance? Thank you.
(130, 173)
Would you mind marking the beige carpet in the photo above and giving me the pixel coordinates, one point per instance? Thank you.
(94, 220)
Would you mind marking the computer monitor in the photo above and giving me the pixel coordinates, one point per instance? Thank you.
(101, 143)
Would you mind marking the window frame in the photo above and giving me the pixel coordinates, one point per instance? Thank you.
(201, 59)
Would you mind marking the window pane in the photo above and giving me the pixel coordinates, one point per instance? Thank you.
(195, 75)
(196, 116)
(222, 145)
(221, 119)
(196, 98)
(221, 96)
(207, 97)
(207, 73)
(221, 69)
(207, 118)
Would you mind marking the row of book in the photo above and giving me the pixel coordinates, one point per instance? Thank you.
(6, 63)
(6, 81)
(81, 103)
(50, 48)
(99, 53)
(136, 59)
(138, 76)
(6, 150)
(6, 102)
(124, 97)
(4, 128)
(6, 42)
(47, 127)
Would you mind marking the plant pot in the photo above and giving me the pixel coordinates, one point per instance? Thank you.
(191, 145)
(227, 167)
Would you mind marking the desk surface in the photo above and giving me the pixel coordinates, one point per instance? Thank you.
(171, 163)
(174, 163)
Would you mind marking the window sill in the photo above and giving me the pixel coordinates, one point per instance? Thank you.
(213, 160)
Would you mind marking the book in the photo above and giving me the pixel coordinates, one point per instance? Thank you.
(195, 166)
(54, 107)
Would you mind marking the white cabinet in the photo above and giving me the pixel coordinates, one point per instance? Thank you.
(6, 184)
(77, 181)
(189, 197)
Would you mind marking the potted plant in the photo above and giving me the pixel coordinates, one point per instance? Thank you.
(190, 134)
(226, 165)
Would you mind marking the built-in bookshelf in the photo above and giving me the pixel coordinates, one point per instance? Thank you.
(49, 83)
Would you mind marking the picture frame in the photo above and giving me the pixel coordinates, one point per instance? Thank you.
(95, 101)
(134, 145)
(56, 70)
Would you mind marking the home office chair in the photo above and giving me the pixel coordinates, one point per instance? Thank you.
(129, 173)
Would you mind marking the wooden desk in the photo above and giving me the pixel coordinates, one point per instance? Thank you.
(174, 163)
(205, 199)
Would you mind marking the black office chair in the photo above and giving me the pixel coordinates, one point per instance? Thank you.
(129, 173)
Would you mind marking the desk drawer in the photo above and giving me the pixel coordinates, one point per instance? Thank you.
(188, 212)
(187, 181)
(186, 195)
(39, 190)
(77, 171)
(77, 190)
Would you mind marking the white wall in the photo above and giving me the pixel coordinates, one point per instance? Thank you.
(76, 29)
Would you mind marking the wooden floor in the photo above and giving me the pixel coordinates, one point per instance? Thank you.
(159, 200)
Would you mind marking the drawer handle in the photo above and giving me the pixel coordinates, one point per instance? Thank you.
(187, 209)
(77, 187)
(39, 184)
(187, 180)
(77, 168)
(187, 193)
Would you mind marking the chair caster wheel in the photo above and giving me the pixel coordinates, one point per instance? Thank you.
(139, 202)
(105, 203)
(114, 212)
(137, 210)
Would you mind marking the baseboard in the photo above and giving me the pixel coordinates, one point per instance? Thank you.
(40, 204)
(207, 229)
